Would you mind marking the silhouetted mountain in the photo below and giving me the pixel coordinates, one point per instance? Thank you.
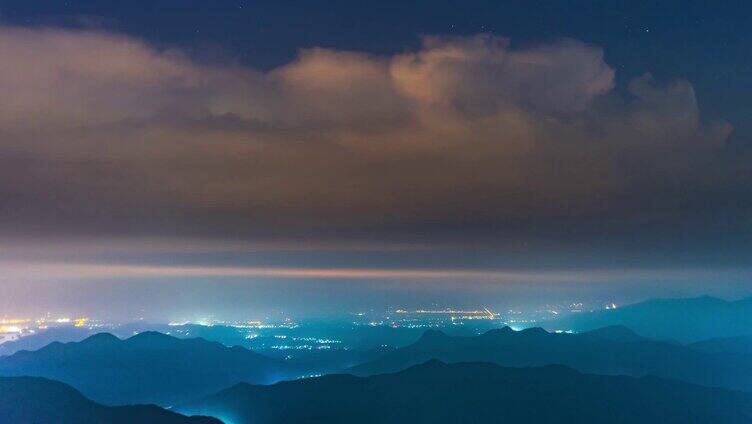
(477, 392)
(616, 333)
(39, 401)
(147, 368)
(684, 320)
(612, 350)
(43, 338)
(738, 344)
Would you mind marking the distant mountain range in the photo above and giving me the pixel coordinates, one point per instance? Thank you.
(738, 344)
(147, 368)
(41, 339)
(610, 350)
(684, 320)
(41, 401)
(435, 392)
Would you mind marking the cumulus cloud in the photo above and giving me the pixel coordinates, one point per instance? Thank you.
(100, 130)
(481, 75)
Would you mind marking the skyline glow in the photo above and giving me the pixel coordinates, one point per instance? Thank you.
(219, 157)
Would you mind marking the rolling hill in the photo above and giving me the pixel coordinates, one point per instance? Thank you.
(41, 401)
(435, 392)
(737, 344)
(684, 320)
(611, 350)
(147, 368)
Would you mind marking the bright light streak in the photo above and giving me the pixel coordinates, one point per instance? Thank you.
(25, 270)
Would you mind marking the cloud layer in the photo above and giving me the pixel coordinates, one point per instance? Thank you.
(102, 132)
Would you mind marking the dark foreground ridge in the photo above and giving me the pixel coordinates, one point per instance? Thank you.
(41, 401)
(149, 367)
(435, 392)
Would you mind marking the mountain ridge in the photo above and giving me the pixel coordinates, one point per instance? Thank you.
(609, 351)
(41, 400)
(686, 320)
(438, 392)
(145, 368)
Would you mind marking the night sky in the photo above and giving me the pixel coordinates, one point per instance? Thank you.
(190, 157)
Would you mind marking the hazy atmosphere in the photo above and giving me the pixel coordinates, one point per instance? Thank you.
(182, 158)
(375, 212)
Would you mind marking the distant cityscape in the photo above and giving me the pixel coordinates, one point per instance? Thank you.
(273, 333)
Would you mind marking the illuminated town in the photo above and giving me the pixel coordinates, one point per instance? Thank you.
(290, 334)
(14, 328)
